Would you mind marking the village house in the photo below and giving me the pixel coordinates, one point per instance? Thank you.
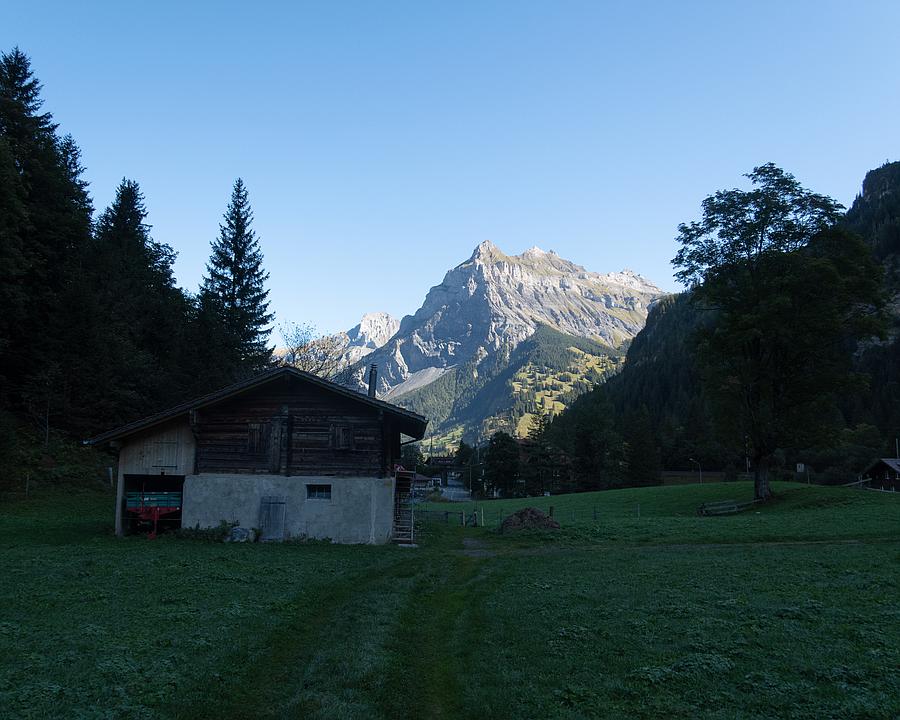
(285, 452)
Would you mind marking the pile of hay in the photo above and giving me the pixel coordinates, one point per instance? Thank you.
(529, 519)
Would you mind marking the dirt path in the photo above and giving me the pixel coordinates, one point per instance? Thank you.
(476, 548)
(265, 684)
(436, 634)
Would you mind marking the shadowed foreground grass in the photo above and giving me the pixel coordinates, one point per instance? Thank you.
(666, 615)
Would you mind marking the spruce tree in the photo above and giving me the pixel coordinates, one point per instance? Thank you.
(501, 465)
(13, 261)
(538, 472)
(131, 355)
(641, 454)
(234, 290)
(45, 226)
(20, 101)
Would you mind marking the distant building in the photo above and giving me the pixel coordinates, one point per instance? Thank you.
(883, 473)
(285, 452)
(442, 465)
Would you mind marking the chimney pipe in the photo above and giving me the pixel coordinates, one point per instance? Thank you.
(373, 378)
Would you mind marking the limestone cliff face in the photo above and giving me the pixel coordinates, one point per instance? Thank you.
(493, 300)
(372, 332)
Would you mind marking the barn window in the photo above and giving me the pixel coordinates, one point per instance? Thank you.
(343, 438)
(165, 451)
(318, 492)
(254, 438)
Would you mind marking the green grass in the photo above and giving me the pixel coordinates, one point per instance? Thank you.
(789, 613)
(669, 514)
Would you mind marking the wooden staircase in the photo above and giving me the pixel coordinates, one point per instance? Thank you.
(404, 527)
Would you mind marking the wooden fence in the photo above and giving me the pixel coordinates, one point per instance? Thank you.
(494, 518)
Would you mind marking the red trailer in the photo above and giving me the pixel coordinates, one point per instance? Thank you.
(149, 506)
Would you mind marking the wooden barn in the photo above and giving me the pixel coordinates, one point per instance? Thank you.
(285, 452)
(883, 474)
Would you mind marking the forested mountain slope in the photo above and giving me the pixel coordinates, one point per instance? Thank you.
(661, 383)
(463, 358)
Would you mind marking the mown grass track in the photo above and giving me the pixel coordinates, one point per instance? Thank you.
(790, 613)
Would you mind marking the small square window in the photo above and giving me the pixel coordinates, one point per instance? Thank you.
(318, 492)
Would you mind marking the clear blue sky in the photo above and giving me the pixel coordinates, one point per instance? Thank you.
(382, 141)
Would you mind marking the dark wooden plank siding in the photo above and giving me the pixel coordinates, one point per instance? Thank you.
(292, 427)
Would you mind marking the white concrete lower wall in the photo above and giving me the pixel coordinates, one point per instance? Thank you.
(361, 509)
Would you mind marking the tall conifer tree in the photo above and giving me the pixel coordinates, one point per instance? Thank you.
(45, 226)
(501, 465)
(131, 355)
(234, 289)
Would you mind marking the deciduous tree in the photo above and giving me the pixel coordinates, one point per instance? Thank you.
(789, 293)
(306, 350)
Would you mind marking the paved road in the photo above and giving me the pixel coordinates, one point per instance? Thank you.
(456, 492)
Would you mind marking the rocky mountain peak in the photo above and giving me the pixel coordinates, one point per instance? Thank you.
(494, 300)
(486, 251)
(374, 330)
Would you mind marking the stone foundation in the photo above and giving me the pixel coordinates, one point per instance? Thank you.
(360, 510)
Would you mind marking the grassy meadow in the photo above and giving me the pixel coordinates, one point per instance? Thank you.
(788, 612)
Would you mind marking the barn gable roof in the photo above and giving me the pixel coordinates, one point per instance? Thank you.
(892, 463)
(410, 423)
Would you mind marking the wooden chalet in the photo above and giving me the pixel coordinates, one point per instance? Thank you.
(883, 474)
(284, 452)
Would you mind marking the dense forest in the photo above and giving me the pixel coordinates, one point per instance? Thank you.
(665, 398)
(94, 331)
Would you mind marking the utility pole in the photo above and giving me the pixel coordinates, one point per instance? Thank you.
(698, 468)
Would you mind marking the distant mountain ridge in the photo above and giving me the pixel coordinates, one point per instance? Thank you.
(472, 322)
(875, 215)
